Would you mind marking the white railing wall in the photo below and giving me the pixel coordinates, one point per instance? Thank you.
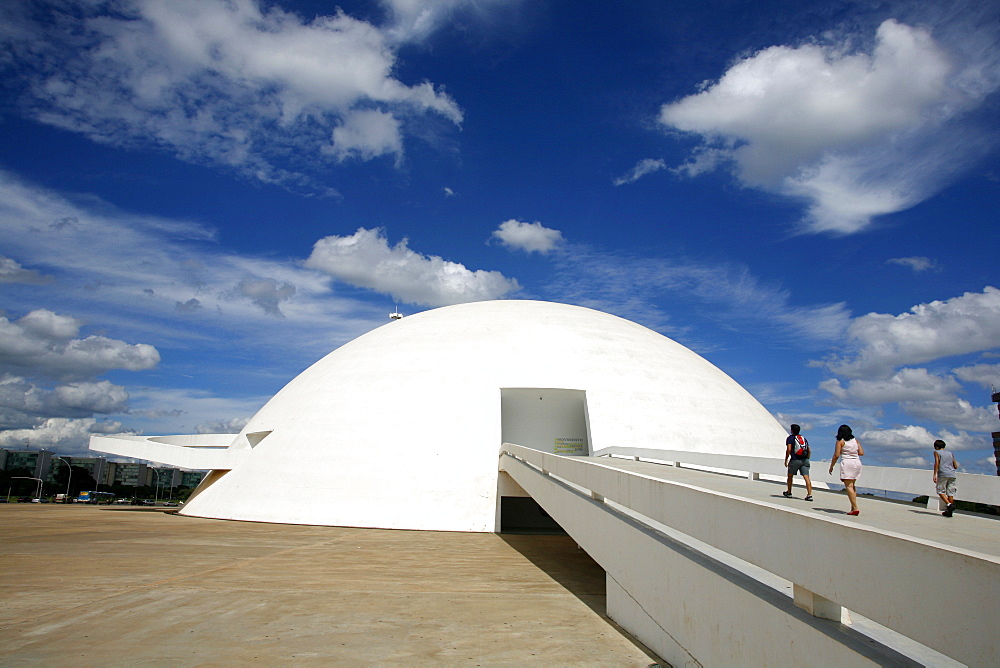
(918, 482)
(895, 580)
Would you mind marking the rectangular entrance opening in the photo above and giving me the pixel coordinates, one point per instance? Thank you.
(548, 419)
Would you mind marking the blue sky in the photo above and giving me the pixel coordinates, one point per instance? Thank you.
(200, 198)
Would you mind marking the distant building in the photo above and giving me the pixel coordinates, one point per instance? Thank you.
(191, 478)
(99, 468)
(38, 462)
(130, 474)
(45, 465)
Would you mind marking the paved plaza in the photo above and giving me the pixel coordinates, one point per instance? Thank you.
(117, 586)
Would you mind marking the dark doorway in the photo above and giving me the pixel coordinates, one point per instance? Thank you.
(522, 514)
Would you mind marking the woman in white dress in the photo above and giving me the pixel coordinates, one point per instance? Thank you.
(849, 451)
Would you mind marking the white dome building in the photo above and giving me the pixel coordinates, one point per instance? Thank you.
(401, 428)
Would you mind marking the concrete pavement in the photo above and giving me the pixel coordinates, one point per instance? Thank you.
(87, 586)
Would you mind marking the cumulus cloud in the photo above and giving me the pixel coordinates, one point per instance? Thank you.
(365, 259)
(917, 264)
(67, 436)
(45, 343)
(905, 385)
(12, 272)
(529, 237)
(855, 134)
(233, 83)
(367, 134)
(912, 438)
(953, 411)
(987, 375)
(966, 324)
(919, 394)
(25, 404)
(92, 397)
(641, 169)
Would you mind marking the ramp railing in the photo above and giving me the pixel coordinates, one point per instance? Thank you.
(918, 482)
(914, 587)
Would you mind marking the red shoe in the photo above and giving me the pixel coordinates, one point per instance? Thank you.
(854, 512)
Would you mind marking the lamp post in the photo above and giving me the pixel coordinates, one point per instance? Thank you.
(38, 487)
(156, 498)
(69, 478)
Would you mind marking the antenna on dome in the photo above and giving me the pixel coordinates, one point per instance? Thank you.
(395, 315)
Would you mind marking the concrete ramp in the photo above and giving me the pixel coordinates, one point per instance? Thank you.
(691, 559)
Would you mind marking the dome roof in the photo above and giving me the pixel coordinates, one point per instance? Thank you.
(401, 427)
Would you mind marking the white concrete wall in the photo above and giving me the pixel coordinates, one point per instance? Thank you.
(918, 482)
(196, 452)
(400, 427)
(897, 581)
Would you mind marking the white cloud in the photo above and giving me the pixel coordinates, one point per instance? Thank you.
(919, 394)
(257, 89)
(917, 264)
(986, 465)
(913, 439)
(92, 397)
(953, 412)
(64, 435)
(367, 134)
(904, 385)
(641, 169)
(987, 375)
(12, 272)
(43, 342)
(366, 260)
(23, 403)
(966, 324)
(854, 134)
(913, 462)
(529, 237)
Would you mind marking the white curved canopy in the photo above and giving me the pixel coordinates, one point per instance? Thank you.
(401, 427)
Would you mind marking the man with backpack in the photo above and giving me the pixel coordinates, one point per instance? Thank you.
(797, 461)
